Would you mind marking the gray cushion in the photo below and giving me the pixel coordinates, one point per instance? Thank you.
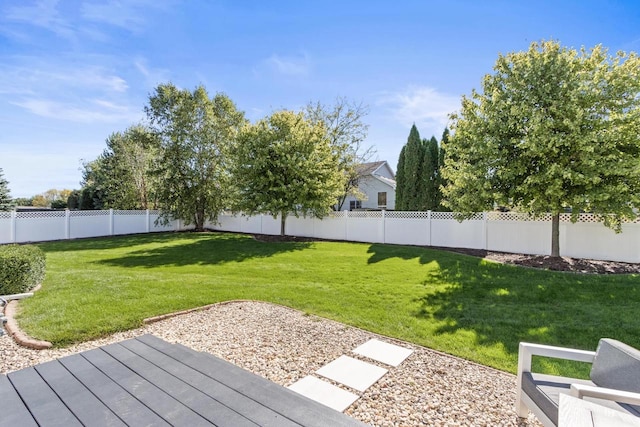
(616, 366)
(545, 391)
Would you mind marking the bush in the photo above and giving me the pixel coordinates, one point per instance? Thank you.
(22, 268)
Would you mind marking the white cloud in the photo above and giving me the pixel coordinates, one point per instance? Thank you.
(96, 110)
(43, 14)
(424, 106)
(289, 65)
(130, 15)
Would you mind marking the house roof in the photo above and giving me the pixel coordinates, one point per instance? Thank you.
(369, 168)
(389, 182)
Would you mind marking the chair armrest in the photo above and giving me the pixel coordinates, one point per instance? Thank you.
(580, 391)
(528, 350)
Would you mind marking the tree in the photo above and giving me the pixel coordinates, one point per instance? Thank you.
(430, 188)
(195, 132)
(553, 129)
(6, 202)
(346, 132)
(413, 158)
(400, 181)
(285, 164)
(122, 174)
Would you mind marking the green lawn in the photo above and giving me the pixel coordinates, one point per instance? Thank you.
(461, 305)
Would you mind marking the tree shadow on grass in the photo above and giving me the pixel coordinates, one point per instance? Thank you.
(108, 242)
(502, 305)
(506, 305)
(216, 248)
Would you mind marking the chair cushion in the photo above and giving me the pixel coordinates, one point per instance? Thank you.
(545, 391)
(616, 366)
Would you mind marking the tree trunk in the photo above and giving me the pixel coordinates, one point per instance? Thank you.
(199, 220)
(555, 235)
(283, 219)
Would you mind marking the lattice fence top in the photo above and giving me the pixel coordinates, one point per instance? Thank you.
(451, 215)
(88, 213)
(337, 214)
(406, 215)
(129, 212)
(41, 214)
(516, 216)
(4, 214)
(365, 214)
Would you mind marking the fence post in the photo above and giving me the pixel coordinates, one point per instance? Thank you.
(384, 226)
(147, 225)
(485, 218)
(346, 225)
(429, 221)
(14, 217)
(67, 225)
(110, 222)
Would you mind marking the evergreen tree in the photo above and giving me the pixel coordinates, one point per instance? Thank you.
(6, 202)
(413, 158)
(442, 182)
(400, 182)
(431, 172)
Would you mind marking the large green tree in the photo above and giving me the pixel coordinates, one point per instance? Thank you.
(6, 202)
(122, 174)
(346, 131)
(552, 129)
(195, 133)
(285, 164)
(400, 181)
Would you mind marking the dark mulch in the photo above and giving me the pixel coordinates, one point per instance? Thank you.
(575, 265)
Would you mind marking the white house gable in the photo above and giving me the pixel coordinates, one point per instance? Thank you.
(378, 184)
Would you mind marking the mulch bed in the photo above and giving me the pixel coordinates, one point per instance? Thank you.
(575, 265)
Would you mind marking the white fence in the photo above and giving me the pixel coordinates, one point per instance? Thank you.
(494, 231)
(506, 232)
(20, 227)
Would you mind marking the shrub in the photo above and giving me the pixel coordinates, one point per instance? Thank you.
(22, 267)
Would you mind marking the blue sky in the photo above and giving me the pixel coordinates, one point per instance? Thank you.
(72, 72)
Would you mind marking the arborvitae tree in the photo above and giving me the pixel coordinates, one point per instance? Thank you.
(400, 182)
(413, 157)
(6, 202)
(430, 190)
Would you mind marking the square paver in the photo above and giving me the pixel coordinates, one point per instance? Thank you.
(352, 372)
(323, 392)
(389, 354)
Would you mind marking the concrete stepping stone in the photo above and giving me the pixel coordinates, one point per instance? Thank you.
(383, 352)
(323, 392)
(352, 372)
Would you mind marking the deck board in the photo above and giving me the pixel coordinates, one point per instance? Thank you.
(126, 406)
(227, 396)
(19, 414)
(146, 381)
(43, 403)
(85, 406)
(294, 406)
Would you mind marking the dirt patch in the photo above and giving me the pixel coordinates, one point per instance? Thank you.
(575, 265)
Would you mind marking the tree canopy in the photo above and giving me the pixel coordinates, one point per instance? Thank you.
(346, 132)
(6, 202)
(121, 177)
(552, 129)
(195, 132)
(284, 164)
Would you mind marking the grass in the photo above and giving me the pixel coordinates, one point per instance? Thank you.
(458, 304)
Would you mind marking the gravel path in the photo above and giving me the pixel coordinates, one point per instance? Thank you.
(284, 345)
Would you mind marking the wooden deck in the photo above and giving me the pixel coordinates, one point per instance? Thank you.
(148, 382)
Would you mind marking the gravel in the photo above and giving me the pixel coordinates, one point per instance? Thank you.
(284, 345)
